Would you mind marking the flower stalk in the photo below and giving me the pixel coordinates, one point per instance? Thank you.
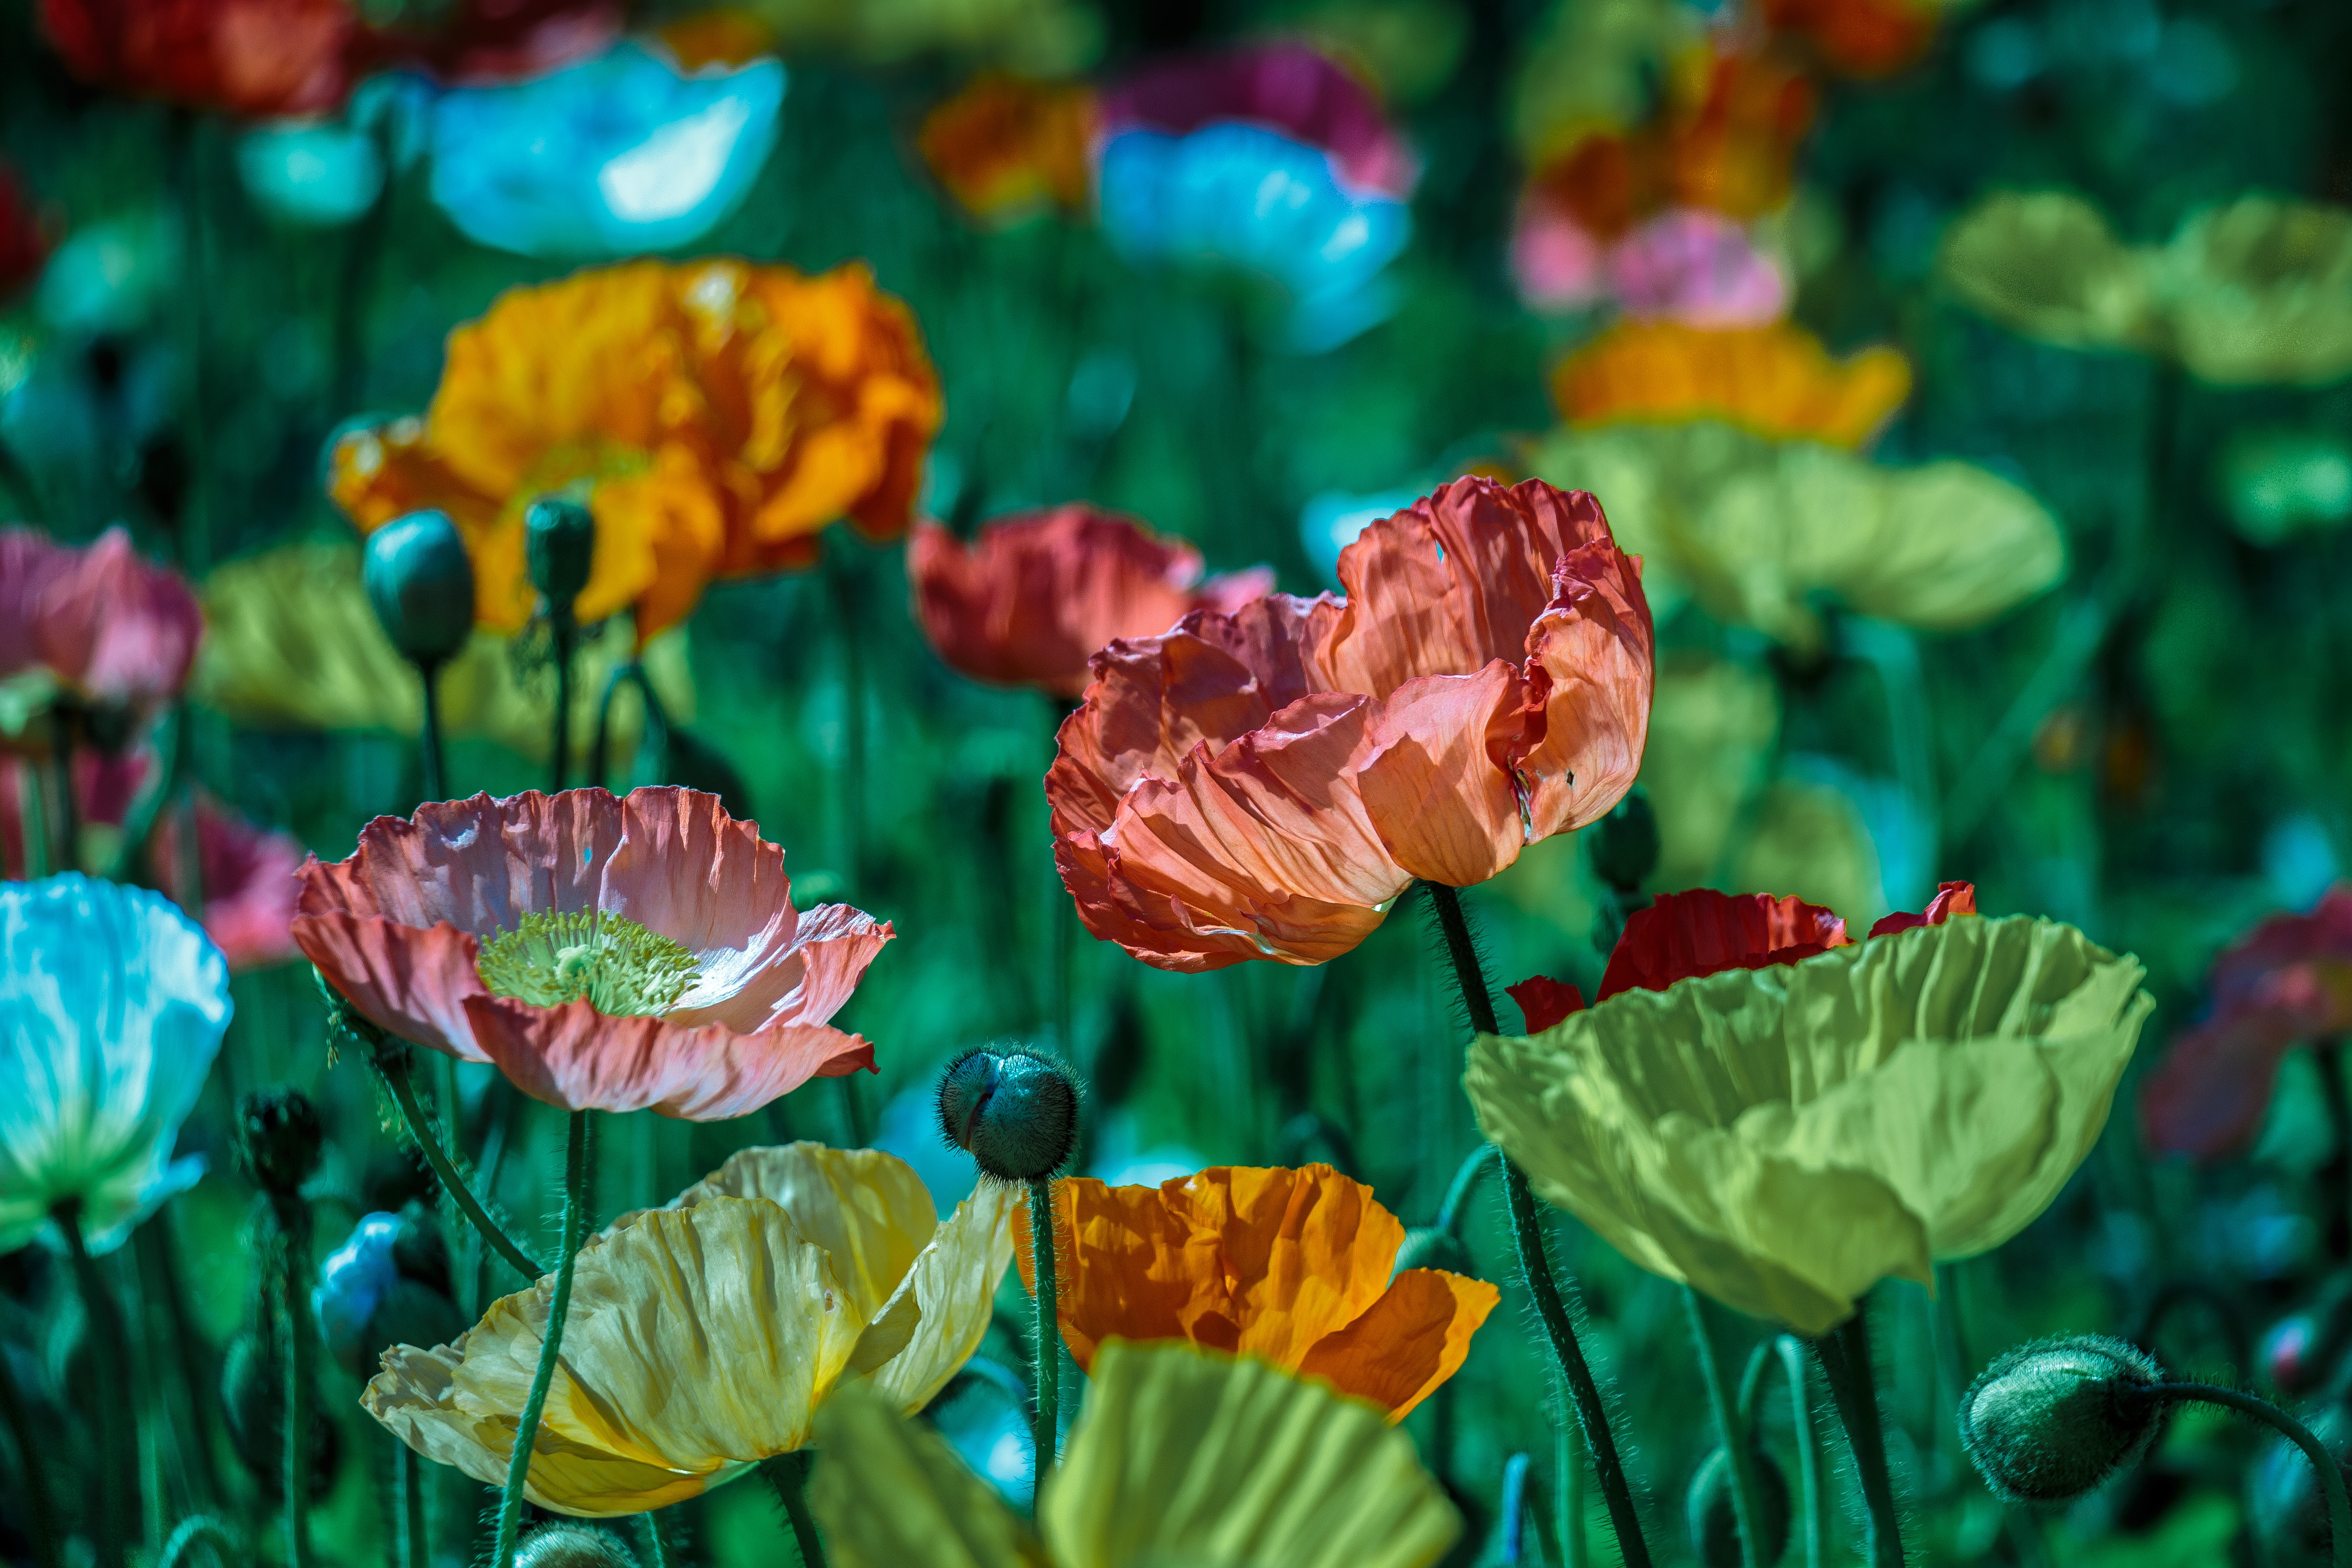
(40, 1514)
(1534, 1264)
(1844, 1355)
(1813, 1501)
(202, 1529)
(788, 1473)
(294, 1256)
(2331, 1474)
(1739, 1443)
(116, 1437)
(1046, 1432)
(575, 1194)
(411, 1549)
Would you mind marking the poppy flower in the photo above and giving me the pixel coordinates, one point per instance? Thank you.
(1777, 381)
(235, 56)
(1004, 147)
(1784, 1137)
(1263, 785)
(713, 414)
(1289, 1265)
(112, 1005)
(1180, 1456)
(1858, 38)
(2285, 984)
(1703, 931)
(1287, 86)
(605, 954)
(1544, 1001)
(24, 238)
(1028, 601)
(94, 624)
(474, 42)
(702, 1337)
(1684, 264)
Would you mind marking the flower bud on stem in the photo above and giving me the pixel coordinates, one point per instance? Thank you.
(560, 543)
(551, 1345)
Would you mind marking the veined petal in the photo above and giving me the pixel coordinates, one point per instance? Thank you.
(1591, 670)
(1436, 778)
(1414, 1337)
(580, 1059)
(868, 1209)
(951, 1292)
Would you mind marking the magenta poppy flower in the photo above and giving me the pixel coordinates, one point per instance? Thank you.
(111, 629)
(1287, 86)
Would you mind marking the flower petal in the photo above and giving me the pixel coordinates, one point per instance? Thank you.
(412, 981)
(952, 1286)
(1412, 1338)
(580, 1059)
(892, 1493)
(1591, 667)
(1544, 1001)
(868, 1209)
(1435, 776)
(1951, 898)
(1703, 931)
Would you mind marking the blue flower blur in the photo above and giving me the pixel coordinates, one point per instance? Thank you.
(1255, 198)
(353, 1280)
(112, 1005)
(617, 155)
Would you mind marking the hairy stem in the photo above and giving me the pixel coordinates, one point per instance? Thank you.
(1738, 1448)
(788, 1473)
(1046, 1431)
(1844, 1355)
(567, 647)
(112, 1357)
(550, 1344)
(432, 759)
(1813, 1502)
(2331, 1474)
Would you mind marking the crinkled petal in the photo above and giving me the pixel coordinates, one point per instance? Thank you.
(1591, 670)
(412, 981)
(868, 1209)
(891, 1493)
(580, 1059)
(953, 1288)
(1703, 931)
(1434, 776)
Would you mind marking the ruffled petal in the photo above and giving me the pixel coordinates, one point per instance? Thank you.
(1703, 931)
(412, 981)
(580, 1059)
(1951, 898)
(1590, 669)
(866, 1208)
(951, 1290)
(1434, 777)
(1412, 1338)
(892, 1493)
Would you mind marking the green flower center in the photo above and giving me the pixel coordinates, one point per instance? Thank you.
(616, 965)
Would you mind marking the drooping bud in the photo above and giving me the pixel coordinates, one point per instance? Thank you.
(421, 581)
(1624, 844)
(253, 1400)
(386, 1285)
(279, 1138)
(2048, 1422)
(572, 1546)
(1714, 1517)
(1015, 1111)
(1429, 1246)
(559, 543)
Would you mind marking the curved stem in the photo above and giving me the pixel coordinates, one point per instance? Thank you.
(1751, 1385)
(1457, 1192)
(32, 1462)
(201, 1529)
(1845, 1354)
(1809, 1493)
(432, 761)
(1535, 1265)
(550, 1343)
(788, 1473)
(600, 750)
(112, 1354)
(1046, 1431)
(294, 1225)
(1737, 1449)
(2331, 1474)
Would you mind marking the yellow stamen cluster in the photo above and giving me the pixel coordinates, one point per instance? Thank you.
(616, 965)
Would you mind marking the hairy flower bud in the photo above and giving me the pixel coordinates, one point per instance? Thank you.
(421, 582)
(1625, 842)
(1714, 1517)
(559, 543)
(2050, 1421)
(1016, 1111)
(572, 1546)
(279, 1138)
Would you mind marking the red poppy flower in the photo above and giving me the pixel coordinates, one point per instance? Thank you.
(24, 240)
(1703, 931)
(1544, 1001)
(605, 954)
(1026, 602)
(480, 41)
(2287, 983)
(108, 627)
(1263, 784)
(239, 57)
(1951, 898)
(1290, 87)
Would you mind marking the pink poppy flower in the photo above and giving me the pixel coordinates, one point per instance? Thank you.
(1684, 264)
(110, 628)
(604, 954)
(1026, 602)
(1288, 86)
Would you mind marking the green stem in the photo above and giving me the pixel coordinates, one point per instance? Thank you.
(390, 1057)
(550, 1344)
(1457, 1192)
(1046, 1431)
(33, 815)
(201, 1529)
(840, 570)
(111, 1355)
(1751, 1385)
(432, 759)
(294, 1223)
(1813, 1500)
(566, 632)
(32, 1462)
(1575, 1551)
(413, 1549)
(2331, 1474)
(1739, 1450)
(1844, 1355)
(1526, 1229)
(61, 750)
(657, 1544)
(788, 1473)
(600, 750)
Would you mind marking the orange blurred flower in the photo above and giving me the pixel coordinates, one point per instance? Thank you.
(713, 414)
(1004, 146)
(1857, 38)
(1777, 381)
(1026, 602)
(723, 37)
(1263, 785)
(1288, 1266)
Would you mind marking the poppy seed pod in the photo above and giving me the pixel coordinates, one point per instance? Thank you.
(277, 1139)
(2048, 1422)
(420, 582)
(559, 543)
(572, 1546)
(1016, 1111)
(1714, 1517)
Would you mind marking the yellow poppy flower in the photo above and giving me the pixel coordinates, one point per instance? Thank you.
(1777, 381)
(291, 642)
(2254, 292)
(1784, 1138)
(714, 416)
(703, 1336)
(1183, 1456)
(1006, 148)
(1754, 529)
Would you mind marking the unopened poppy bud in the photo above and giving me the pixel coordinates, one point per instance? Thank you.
(1429, 1246)
(2048, 1422)
(572, 1546)
(1016, 1111)
(421, 582)
(559, 543)
(1625, 842)
(1714, 1517)
(279, 1138)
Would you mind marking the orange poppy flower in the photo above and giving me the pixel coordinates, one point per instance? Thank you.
(1026, 602)
(1777, 381)
(1857, 38)
(1004, 146)
(1263, 785)
(713, 414)
(1289, 1265)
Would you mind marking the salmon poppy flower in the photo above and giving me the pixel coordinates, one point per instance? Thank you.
(713, 414)
(1263, 785)
(1776, 381)
(2285, 984)
(1033, 596)
(1004, 147)
(94, 624)
(1289, 1265)
(605, 954)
